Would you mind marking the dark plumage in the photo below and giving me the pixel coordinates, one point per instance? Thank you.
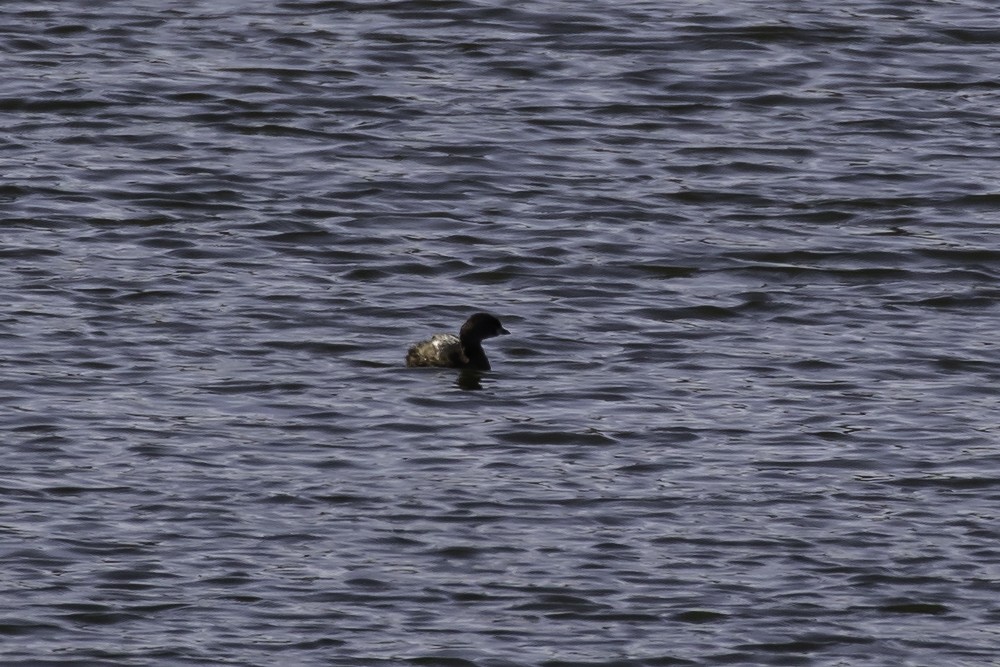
(462, 351)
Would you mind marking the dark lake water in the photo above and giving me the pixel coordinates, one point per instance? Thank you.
(748, 253)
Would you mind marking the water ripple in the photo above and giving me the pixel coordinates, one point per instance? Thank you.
(746, 253)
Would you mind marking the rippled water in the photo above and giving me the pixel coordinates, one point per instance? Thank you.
(748, 253)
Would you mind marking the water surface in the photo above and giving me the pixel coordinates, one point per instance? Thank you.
(748, 256)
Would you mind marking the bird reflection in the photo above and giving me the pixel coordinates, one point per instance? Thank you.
(469, 380)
